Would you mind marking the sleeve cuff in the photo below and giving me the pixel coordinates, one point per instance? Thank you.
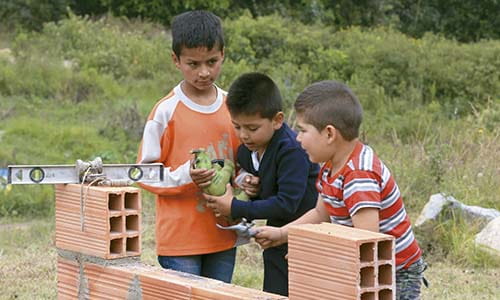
(239, 209)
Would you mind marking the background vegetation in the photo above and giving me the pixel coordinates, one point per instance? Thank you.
(466, 20)
(80, 87)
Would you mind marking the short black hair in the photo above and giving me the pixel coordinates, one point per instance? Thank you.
(254, 93)
(195, 29)
(330, 102)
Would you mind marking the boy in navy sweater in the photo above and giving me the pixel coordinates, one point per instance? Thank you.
(271, 155)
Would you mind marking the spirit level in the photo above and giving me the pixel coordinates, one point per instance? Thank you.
(84, 172)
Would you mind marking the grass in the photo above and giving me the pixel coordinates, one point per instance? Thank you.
(28, 260)
(28, 264)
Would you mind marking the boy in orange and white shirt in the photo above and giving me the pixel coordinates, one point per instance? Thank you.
(193, 115)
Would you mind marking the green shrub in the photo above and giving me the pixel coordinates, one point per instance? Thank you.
(466, 20)
(383, 66)
(32, 76)
(27, 201)
(120, 50)
(31, 14)
(451, 239)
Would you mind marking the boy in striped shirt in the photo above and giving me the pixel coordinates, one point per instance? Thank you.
(355, 188)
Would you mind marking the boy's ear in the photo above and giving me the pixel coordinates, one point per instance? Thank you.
(330, 132)
(176, 60)
(278, 120)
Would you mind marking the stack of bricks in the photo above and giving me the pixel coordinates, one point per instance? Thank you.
(327, 261)
(98, 236)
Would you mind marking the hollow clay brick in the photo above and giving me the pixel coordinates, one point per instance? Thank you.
(203, 288)
(81, 278)
(67, 279)
(328, 261)
(111, 220)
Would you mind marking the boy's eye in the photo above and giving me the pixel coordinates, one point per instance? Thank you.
(253, 128)
(212, 61)
(192, 64)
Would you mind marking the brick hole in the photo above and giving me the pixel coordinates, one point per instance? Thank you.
(115, 224)
(114, 202)
(367, 252)
(385, 275)
(385, 294)
(132, 201)
(367, 277)
(116, 246)
(368, 296)
(385, 250)
(132, 223)
(133, 244)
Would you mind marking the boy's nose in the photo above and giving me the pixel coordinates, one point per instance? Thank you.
(204, 72)
(243, 136)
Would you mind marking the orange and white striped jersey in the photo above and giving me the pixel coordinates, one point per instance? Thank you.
(175, 126)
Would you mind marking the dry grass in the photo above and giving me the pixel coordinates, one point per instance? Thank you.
(452, 282)
(28, 260)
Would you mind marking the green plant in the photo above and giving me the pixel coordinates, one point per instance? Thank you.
(452, 240)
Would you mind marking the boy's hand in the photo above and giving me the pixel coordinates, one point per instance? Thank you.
(269, 236)
(251, 185)
(201, 177)
(221, 205)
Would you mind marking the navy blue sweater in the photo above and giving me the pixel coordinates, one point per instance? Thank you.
(287, 181)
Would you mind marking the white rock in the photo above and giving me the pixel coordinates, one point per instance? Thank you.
(437, 202)
(432, 208)
(490, 236)
(477, 212)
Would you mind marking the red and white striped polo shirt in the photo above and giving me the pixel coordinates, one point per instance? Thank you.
(364, 181)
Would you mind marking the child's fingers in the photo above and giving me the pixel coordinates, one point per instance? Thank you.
(252, 180)
(203, 183)
(264, 243)
(202, 177)
(229, 189)
(249, 188)
(252, 192)
(202, 173)
(262, 233)
(213, 205)
(260, 241)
